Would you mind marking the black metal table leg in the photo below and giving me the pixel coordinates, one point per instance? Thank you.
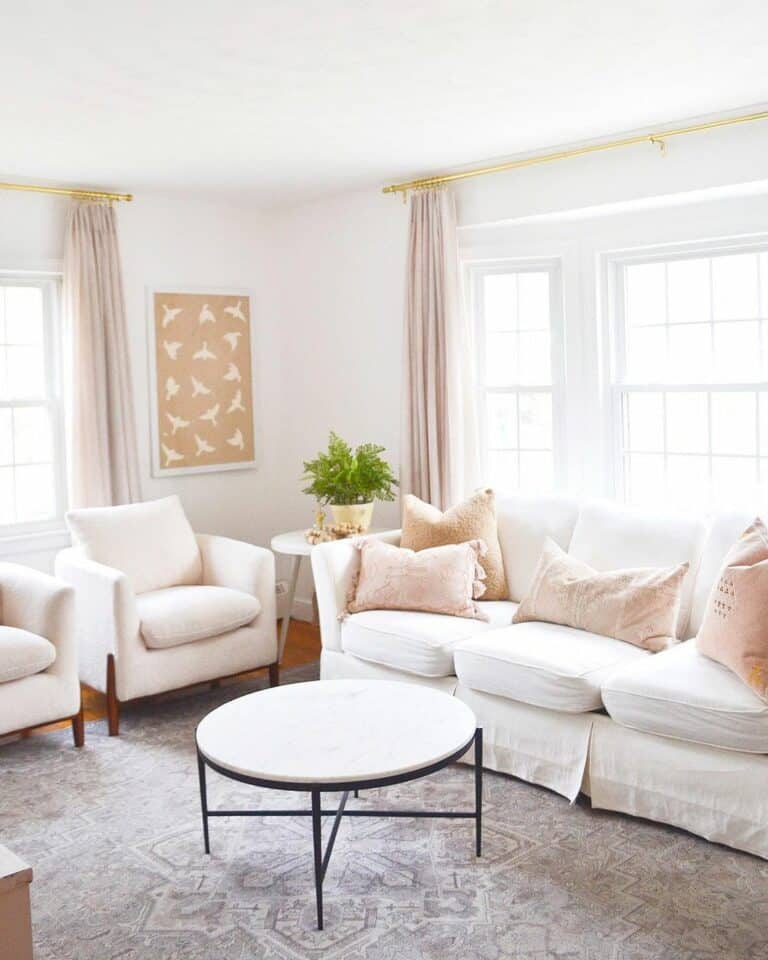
(203, 799)
(317, 837)
(478, 790)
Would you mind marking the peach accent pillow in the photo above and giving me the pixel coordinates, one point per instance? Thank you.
(425, 526)
(442, 580)
(639, 606)
(735, 630)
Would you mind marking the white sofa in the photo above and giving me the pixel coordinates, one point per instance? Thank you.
(160, 607)
(672, 737)
(38, 652)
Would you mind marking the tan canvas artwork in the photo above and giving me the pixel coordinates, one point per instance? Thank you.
(204, 402)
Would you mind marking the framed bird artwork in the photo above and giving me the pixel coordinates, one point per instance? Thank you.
(201, 381)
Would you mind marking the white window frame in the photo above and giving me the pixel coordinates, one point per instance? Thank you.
(474, 274)
(615, 329)
(49, 283)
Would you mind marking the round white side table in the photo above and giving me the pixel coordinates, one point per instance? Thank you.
(295, 546)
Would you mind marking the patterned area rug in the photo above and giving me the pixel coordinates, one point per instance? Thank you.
(113, 833)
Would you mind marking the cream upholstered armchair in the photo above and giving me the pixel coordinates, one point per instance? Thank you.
(160, 608)
(38, 653)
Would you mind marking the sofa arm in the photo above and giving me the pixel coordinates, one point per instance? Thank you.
(41, 604)
(105, 613)
(334, 568)
(240, 566)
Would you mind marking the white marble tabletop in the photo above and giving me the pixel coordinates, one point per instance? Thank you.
(294, 543)
(335, 731)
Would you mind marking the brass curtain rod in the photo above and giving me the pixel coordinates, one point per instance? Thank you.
(82, 194)
(657, 139)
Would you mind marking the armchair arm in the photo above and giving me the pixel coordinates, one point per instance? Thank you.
(41, 604)
(334, 567)
(240, 566)
(106, 616)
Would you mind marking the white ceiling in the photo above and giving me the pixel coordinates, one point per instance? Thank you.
(289, 100)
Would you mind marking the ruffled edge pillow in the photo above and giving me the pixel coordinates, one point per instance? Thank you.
(446, 579)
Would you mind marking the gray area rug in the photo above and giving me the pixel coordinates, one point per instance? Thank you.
(113, 833)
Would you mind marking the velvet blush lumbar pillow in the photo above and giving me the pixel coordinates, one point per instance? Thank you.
(639, 606)
(734, 630)
(424, 526)
(441, 580)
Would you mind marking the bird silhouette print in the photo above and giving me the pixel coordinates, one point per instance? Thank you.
(199, 389)
(235, 312)
(237, 403)
(232, 338)
(233, 373)
(210, 414)
(170, 314)
(177, 423)
(172, 349)
(236, 440)
(206, 315)
(204, 353)
(203, 446)
(171, 456)
(171, 388)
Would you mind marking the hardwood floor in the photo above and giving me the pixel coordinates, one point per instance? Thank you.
(302, 647)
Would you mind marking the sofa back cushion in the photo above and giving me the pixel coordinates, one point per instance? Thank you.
(524, 524)
(152, 543)
(724, 530)
(609, 536)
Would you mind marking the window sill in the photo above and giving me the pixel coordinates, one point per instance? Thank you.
(37, 541)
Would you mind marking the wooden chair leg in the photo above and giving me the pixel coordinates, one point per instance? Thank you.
(113, 704)
(274, 674)
(78, 728)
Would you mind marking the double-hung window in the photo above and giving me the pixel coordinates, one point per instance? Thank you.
(32, 486)
(516, 308)
(690, 376)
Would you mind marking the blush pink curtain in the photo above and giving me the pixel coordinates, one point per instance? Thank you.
(439, 436)
(103, 463)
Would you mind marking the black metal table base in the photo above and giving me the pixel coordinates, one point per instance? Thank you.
(322, 857)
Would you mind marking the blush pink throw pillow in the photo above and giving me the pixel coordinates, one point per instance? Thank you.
(639, 606)
(444, 579)
(735, 629)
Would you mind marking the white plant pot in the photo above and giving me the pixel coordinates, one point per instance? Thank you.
(359, 514)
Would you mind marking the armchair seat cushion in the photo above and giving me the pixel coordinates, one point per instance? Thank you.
(23, 653)
(177, 615)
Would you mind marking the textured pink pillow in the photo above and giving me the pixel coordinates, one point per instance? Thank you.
(439, 580)
(735, 629)
(639, 606)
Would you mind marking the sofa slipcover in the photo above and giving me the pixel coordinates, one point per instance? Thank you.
(682, 694)
(543, 664)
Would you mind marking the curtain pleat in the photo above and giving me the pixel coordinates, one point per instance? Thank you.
(103, 464)
(439, 435)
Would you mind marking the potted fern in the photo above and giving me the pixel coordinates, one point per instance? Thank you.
(349, 481)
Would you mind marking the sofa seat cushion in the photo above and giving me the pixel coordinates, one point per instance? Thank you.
(23, 653)
(680, 693)
(417, 643)
(544, 664)
(179, 615)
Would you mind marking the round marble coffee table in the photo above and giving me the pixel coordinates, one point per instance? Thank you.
(337, 736)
